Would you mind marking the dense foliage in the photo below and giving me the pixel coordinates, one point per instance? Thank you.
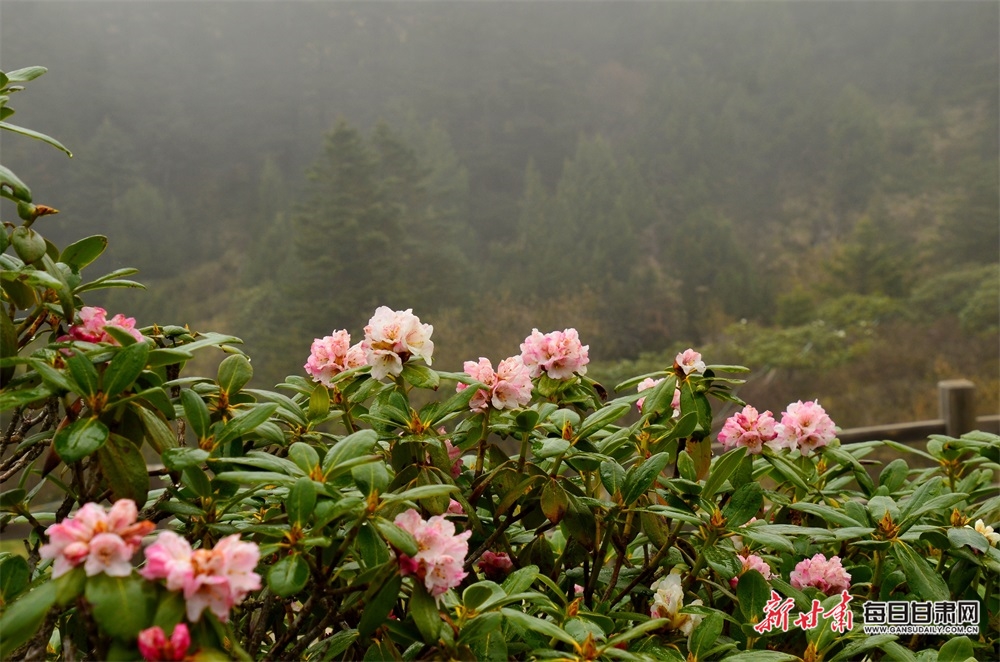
(384, 509)
(705, 163)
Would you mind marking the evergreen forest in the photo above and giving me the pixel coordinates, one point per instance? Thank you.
(809, 189)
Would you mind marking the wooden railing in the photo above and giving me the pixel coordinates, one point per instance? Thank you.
(958, 416)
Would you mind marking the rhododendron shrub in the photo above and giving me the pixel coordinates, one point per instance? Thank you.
(376, 507)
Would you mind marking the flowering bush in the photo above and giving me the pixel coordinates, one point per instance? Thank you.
(522, 513)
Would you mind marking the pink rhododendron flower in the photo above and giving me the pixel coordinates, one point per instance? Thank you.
(155, 647)
(392, 337)
(440, 555)
(752, 562)
(214, 579)
(668, 600)
(455, 508)
(748, 428)
(689, 361)
(828, 575)
(509, 386)
(93, 321)
(495, 566)
(805, 425)
(331, 355)
(558, 354)
(104, 541)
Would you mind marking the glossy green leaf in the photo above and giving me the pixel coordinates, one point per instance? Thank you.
(967, 537)
(36, 135)
(371, 477)
(921, 576)
(420, 376)
(301, 501)
(743, 505)
(123, 370)
(723, 468)
(350, 447)
(288, 576)
(25, 75)
(79, 439)
(535, 624)
(8, 340)
(84, 374)
(752, 593)
(121, 606)
(14, 576)
(22, 619)
(234, 373)
(554, 501)
(319, 403)
(12, 186)
(956, 649)
(84, 251)
(124, 468)
(642, 476)
(178, 459)
(396, 537)
(379, 601)
(245, 422)
(602, 418)
(423, 609)
(612, 477)
(158, 433)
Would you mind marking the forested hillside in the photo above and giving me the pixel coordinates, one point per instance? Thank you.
(808, 188)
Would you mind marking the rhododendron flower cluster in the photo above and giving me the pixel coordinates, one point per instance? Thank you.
(103, 541)
(509, 386)
(331, 355)
(689, 361)
(668, 599)
(752, 562)
(94, 321)
(215, 579)
(828, 575)
(559, 354)
(441, 553)
(496, 566)
(648, 383)
(392, 337)
(805, 425)
(155, 647)
(750, 429)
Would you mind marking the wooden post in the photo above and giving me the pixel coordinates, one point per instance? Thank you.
(958, 406)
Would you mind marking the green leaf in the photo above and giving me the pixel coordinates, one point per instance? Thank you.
(378, 604)
(920, 576)
(11, 498)
(123, 370)
(724, 466)
(894, 474)
(956, 649)
(723, 561)
(535, 624)
(350, 447)
(706, 635)
(245, 422)
(480, 593)
(420, 376)
(234, 373)
(752, 593)
(196, 479)
(50, 375)
(62, 289)
(178, 459)
(30, 247)
(481, 627)
(421, 492)
(554, 501)
(304, 456)
(520, 580)
(371, 477)
(79, 439)
(288, 576)
(122, 606)
(301, 501)
(14, 576)
(81, 253)
(641, 477)
(745, 503)
(601, 418)
(852, 650)
(37, 136)
(125, 469)
(22, 618)
(396, 537)
(829, 514)
(196, 412)
(84, 374)
(612, 477)
(9, 181)
(425, 613)
(968, 537)
(25, 75)
(159, 434)
(319, 403)
(8, 340)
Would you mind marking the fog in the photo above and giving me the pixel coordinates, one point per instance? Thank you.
(808, 188)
